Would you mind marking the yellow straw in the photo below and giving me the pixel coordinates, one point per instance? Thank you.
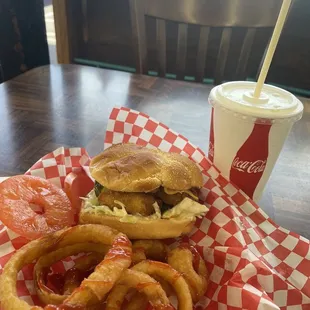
(272, 47)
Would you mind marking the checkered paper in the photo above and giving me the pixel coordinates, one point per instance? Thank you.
(253, 263)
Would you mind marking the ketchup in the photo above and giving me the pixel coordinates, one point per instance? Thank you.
(52, 283)
(55, 282)
(63, 307)
(73, 278)
(196, 256)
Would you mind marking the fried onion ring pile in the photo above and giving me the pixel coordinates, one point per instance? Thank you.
(175, 280)
(92, 289)
(189, 263)
(112, 275)
(149, 249)
(143, 283)
(170, 275)
(44, 262)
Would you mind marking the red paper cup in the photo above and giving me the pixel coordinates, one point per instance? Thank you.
(247, 134)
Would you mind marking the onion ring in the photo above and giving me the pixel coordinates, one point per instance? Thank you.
(189, 263)
(100, 282)
(151, 249)
(93, 289)
(90, 260)
(45, 294)
(173, 277)
(137, 301)
(168, 288)
(143, 283)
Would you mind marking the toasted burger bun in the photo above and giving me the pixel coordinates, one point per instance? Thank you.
(142, 229)
(133, 168)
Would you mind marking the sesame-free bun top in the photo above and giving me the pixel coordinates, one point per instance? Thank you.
(134, 168)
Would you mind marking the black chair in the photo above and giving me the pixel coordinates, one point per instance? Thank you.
(23, 42)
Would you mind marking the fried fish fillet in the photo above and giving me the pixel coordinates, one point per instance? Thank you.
(170, 200)
(173, 199)
(141, 203)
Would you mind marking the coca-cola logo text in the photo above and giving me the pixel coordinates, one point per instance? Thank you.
(249, 166)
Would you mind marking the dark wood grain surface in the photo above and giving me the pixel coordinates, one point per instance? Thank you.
(69, 105)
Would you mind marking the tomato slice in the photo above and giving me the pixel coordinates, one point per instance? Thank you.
(32, 206)
(77, 185)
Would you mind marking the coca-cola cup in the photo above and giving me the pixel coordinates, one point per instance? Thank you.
(247, 133)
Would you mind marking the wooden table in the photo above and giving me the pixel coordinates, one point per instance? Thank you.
(69, 105)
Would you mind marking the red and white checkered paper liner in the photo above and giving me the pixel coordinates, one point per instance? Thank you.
(253, 263)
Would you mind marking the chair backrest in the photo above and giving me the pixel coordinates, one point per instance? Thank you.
(250, 14)
(23, 43)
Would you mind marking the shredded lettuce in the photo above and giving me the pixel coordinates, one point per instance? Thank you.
(186, 209)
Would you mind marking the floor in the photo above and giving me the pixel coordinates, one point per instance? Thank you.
(50, 30)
